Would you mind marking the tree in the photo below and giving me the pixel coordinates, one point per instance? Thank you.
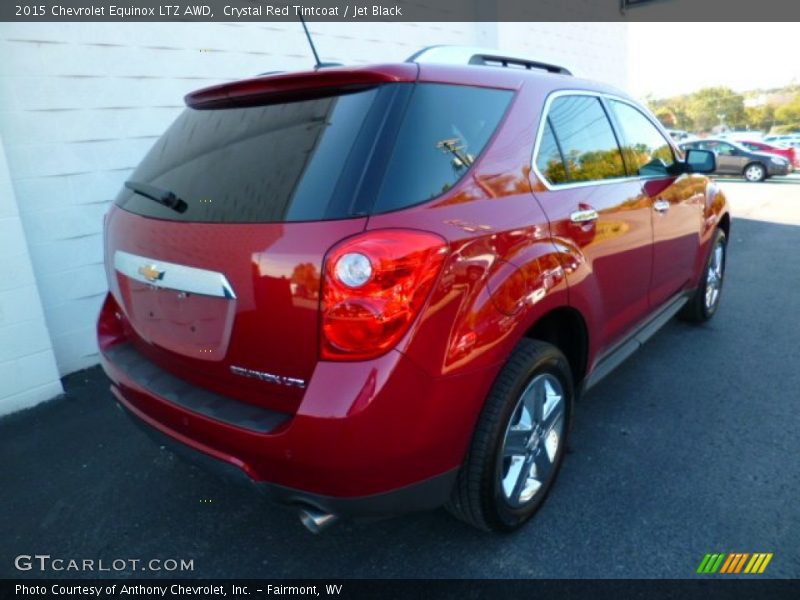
(788, 115)
(681, 114)
(709, 106)
(666, 116)
(671, 112)
(759, 117)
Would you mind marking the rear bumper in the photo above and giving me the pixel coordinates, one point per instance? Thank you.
(373, 437)
(423, 495)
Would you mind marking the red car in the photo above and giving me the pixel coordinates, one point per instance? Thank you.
(381, 289)
(789, 154)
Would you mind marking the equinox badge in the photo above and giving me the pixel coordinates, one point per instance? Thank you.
(269, 377)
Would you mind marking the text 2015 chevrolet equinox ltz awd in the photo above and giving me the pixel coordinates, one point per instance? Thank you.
(381, 289)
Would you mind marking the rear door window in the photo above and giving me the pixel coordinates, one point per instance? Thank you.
(583, 133)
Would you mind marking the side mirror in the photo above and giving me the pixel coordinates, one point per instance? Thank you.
(700, 161)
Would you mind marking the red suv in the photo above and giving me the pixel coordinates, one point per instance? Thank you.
(381, 289)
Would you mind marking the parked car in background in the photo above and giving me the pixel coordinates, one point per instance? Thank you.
(678, 134)
(782, 138)
(378, 289)
(794, 144)
(739, 134)
(789, 153)
(734, 159)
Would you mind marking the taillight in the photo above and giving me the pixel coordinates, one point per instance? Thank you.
(374, 286)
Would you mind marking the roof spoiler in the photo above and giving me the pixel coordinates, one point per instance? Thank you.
(286, 87)
(464, 55)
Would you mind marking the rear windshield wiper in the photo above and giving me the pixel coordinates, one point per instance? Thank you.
(164, 197)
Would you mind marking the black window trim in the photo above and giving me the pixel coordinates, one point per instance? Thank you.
(602, 97)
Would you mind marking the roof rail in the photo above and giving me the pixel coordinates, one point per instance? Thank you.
(464, 55)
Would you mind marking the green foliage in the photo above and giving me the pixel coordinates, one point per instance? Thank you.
(590, 166)
(788, 115)
(666, 116)
(606, 164)
(699, 112)
(760, 117)
(711, 106)
(672, 113)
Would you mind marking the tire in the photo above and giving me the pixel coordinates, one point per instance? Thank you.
(703, 304)
(755, 172)
(499, 487)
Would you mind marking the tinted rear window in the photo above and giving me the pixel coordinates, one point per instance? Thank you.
(445, 129)
(334, 157)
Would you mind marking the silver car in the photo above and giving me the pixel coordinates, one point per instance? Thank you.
(735, 159)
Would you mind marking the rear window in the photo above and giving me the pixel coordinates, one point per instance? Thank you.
(445, 129)
(334, 157)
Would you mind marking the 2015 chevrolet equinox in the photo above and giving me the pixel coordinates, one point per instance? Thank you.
(381, 289)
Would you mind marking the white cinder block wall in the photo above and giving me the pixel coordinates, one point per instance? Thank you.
(28, 372)
(80, 104)
(593, 50)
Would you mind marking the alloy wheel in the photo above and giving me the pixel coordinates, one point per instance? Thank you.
(754, 173)
(714, 274)
(533, 439)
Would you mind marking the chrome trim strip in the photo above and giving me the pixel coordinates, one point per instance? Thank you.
(269, 377)
(173, 276)
(540, 132)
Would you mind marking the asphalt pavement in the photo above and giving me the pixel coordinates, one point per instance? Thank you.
(691, 447)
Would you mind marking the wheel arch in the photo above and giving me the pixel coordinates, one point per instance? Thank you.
(565, 328)
(725, 224)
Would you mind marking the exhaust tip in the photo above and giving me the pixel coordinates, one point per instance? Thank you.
(315, 520)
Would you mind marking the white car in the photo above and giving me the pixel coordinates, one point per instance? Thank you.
(788, 139)
(741, 135)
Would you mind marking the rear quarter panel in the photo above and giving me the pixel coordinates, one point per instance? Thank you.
(503, 270)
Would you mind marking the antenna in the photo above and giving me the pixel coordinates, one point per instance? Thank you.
(320, 64)
(310, 42)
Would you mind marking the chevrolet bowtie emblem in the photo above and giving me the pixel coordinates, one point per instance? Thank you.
(151, 273)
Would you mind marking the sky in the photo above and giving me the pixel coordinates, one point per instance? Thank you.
(666, 59)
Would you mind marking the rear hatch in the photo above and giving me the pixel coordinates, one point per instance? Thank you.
(216, 244)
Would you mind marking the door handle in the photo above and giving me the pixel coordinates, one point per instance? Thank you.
(661, 205)
(583, 215)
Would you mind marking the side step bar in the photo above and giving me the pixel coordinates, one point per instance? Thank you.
(622, 351)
